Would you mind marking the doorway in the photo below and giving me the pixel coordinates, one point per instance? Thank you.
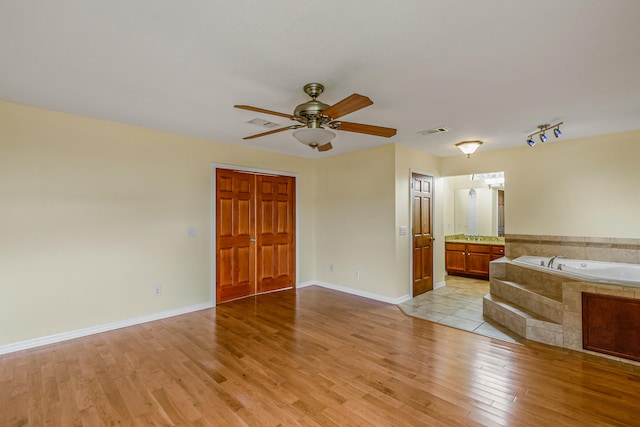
(422, 233)
(255, 233)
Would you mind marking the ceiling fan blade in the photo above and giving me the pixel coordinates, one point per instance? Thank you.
(325, 147)
(258, 135)
(361, 128)
(262, 110)
(348, 105)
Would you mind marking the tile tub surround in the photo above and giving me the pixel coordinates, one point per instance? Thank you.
(591, 248)
(557, 299)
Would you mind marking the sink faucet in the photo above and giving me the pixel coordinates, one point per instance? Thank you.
(553, 258)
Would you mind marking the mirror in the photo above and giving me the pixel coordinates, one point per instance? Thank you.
(476, 205)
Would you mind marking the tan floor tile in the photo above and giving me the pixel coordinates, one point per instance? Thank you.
(459, 305)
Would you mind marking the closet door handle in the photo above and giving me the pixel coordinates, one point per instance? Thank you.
(253, 239)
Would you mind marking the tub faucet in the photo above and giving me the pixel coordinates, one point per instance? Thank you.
(553, 258)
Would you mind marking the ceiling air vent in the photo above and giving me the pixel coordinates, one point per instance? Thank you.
(263, 123)
(434, 131)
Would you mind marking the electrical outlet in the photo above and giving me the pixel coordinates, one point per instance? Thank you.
(331, 267)
(356, 274)
(157, 290)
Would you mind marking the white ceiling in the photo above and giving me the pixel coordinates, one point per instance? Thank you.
(490, 70)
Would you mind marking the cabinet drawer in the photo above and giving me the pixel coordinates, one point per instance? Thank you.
(455, 247)
(479, 249)
(497, 250)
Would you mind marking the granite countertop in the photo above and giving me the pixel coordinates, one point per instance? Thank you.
(478, 240)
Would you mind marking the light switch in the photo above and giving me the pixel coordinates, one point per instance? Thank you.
(403, 230)
(191, 231)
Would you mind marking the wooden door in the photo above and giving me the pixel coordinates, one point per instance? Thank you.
(275, 212)
(255, 233)
(235, 238)
(422, 235)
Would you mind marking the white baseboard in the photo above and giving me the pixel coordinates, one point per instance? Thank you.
(357, 292)
(52, 339)
(439, 285)
(65, 336)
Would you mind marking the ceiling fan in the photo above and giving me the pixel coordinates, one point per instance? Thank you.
(314, 115)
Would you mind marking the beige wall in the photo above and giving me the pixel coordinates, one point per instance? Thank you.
(355, 220)
(362, 200)
(579, 187)
(94, 214)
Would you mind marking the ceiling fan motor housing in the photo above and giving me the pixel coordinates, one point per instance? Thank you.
(311, 113)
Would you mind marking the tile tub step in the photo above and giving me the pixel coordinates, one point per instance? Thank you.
(552, 294)
(522, 321)
(533, 298)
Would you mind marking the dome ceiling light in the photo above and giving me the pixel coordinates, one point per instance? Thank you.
(469, 147)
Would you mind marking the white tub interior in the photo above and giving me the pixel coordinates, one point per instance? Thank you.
(592, 271)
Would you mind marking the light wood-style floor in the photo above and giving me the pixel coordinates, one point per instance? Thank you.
(314, 357)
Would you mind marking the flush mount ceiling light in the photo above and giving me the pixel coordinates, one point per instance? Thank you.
(543, 136)
(469, 147)
(315, 138)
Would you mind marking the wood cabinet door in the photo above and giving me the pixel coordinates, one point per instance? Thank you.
(478, 263)
(611, 325)
(275, 236)
(422, 235)
(455, 261)
(235, 225)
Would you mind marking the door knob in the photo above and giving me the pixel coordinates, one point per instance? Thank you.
(252, 239)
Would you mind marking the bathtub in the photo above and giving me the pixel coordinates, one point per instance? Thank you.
(590, 271)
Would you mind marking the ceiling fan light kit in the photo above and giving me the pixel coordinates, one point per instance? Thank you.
(313, 115)
(314, 137)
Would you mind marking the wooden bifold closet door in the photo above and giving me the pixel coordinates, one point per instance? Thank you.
(255, 233)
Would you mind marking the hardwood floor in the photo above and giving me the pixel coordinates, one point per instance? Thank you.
(314, 357)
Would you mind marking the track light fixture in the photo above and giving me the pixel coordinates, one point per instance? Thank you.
(543, 136)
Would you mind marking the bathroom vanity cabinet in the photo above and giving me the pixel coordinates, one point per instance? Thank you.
(470, 259)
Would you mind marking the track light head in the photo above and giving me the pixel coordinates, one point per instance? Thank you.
(543, 137)
(557, 132)
(531, 142)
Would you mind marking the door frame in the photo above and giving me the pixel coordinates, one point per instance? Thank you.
(433, 222)
(214, 168)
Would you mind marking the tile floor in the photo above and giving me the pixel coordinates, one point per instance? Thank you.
(458, 304)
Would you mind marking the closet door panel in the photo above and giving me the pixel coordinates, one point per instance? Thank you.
(276, 232)
(235, 225)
